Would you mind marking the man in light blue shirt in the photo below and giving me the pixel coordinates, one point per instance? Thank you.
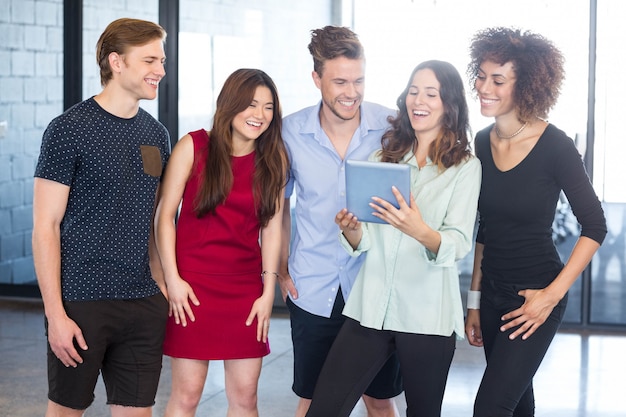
(316, 272)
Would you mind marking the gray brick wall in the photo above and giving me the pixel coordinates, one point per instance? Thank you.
(31, 93)
(31, 81)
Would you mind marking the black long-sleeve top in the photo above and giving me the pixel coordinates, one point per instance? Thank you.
(517, 208)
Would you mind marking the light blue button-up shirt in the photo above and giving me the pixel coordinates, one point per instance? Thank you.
(318, 265)
(403, 286)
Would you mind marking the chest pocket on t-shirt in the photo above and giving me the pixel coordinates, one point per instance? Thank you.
(151, 158)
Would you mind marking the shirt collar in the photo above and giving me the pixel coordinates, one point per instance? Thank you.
(369, 120)
(409, 158)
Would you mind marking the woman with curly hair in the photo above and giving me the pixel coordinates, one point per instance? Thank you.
(526, 163)
(220, 280)
(406, 297)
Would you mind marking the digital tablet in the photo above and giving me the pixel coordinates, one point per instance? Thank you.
(366, 179)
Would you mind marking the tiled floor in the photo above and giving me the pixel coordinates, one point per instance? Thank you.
(582, 375)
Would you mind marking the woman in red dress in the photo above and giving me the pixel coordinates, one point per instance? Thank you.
(220, 258)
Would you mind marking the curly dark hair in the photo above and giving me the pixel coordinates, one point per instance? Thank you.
(331, 42)
(452, 146)
(537, 63)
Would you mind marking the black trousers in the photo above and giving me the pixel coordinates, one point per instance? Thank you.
(359, 352)
(506, 388)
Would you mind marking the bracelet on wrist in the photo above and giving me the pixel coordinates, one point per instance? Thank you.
(473, 300)
(269, 272)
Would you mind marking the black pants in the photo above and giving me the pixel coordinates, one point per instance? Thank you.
(359, 352)
(506, 388)
(313, 337)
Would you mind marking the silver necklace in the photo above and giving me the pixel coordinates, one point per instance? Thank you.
(501, 136)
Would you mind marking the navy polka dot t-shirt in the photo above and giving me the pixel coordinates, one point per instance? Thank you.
(113, 167)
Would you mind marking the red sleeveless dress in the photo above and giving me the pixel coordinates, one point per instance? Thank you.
(220, 257)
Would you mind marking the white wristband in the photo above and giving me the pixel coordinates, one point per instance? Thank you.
(473, 300)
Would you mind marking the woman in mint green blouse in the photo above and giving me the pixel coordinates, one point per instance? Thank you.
(406, 298)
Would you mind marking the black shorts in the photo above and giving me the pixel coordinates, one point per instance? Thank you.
(125, 343)
(312, 338)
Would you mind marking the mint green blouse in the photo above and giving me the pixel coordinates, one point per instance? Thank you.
(404, 287)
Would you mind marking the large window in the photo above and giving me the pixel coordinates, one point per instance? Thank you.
(608, 284)
(217, 38)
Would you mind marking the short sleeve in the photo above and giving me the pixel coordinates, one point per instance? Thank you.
(58, 156)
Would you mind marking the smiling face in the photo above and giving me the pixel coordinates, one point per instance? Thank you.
(341, 83)
(424, 106)
(140, 69)
(249, 124)
(495, 85)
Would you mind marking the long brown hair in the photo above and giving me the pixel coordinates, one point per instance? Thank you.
(271, 162)
(452, 145)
